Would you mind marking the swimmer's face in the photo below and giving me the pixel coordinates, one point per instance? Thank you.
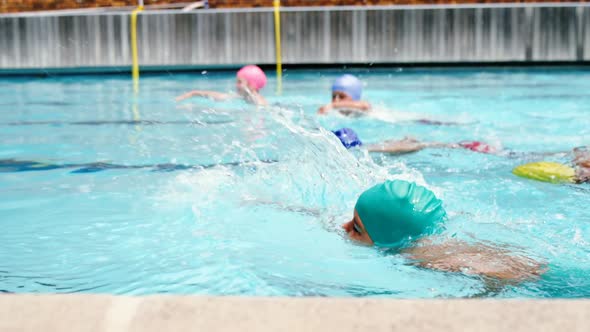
(582, 156)
(356, 230)
(242, 86)
(340, 96)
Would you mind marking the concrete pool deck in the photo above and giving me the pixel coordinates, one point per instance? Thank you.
(195, 313)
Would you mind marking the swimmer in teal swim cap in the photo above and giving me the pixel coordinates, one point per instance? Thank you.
(404, 216)
(395, 212)
(346, 96)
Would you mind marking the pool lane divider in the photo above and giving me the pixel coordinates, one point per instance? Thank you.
(134, 52)
(16, 166)
(277, 15)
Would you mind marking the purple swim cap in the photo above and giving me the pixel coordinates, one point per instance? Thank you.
(350, 85)
(348, 137)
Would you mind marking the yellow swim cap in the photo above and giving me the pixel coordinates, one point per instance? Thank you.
(546, 171)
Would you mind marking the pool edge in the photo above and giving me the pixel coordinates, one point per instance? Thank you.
(183, 313)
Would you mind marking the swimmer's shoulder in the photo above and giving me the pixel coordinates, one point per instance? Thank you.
(351, 112)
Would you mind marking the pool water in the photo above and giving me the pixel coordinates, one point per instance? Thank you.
(102, 191)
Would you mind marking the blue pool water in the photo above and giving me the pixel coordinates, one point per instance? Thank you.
(105, 192)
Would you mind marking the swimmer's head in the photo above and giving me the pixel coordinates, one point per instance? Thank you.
(582, 156)
(348, 137)
(346, 87)
(394, 212)
(250, 77)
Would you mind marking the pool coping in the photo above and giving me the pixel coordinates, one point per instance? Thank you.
(203, 313)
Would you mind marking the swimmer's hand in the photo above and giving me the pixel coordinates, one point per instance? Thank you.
(258, 100)
(406, 145)
(325, 109)
(218, 96)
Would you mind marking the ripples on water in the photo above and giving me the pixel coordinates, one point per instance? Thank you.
(101, 192)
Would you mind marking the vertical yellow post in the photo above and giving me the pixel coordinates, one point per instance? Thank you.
(135, 63)
(134, 55)
(277, 6)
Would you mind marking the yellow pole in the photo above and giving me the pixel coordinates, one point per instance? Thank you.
(135, 57)
(135, 63)
(277, 6)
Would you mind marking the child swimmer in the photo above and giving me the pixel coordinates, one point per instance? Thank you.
(249, 81)
(403, 216)
(540, 171)
(346, 99)
(346, 96)
(559, 173)
(349, 138)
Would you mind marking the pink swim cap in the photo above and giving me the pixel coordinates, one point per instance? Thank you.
(253, 75)
(478, 147)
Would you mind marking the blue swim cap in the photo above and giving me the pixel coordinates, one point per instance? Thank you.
(396, 211)
(349, 85)
(348, 137)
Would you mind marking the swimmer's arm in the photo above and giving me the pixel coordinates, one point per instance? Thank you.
(260, 101)
(442, 145)
(285, 207)
(359, 105)
(405, 145)
(456, 256)
(205, 94)
(396, 147)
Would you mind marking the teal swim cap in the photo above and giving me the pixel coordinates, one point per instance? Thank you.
(395, 211)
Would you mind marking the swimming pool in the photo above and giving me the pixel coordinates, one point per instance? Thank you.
(104, 192)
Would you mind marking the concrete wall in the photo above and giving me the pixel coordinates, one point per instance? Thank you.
(309, 36)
